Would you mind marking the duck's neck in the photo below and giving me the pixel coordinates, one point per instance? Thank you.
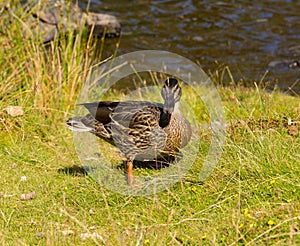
(177, 107)
(165, 117)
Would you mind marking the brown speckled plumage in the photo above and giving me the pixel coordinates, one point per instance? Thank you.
(141, 130)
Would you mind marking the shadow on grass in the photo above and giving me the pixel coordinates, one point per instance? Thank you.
(76, 170)
(154, 164)
(73, 171)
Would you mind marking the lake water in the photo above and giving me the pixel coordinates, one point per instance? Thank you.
(256, 40)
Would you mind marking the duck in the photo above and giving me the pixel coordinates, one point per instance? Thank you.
(141, 130)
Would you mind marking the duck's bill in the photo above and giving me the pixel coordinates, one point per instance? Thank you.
(169, 104)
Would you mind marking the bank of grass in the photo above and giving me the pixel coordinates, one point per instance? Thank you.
(251, 198)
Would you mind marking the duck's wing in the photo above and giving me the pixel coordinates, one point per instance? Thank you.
(101, 111)
(121, 112)
(136, 131)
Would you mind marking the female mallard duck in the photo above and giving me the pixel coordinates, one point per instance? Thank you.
(141, 130)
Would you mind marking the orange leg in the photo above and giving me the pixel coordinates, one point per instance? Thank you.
(129, 173)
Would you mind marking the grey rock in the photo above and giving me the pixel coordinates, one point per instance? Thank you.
(49, 18)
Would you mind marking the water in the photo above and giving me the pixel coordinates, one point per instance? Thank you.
(258, 41)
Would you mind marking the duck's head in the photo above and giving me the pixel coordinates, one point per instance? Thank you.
(171, 93)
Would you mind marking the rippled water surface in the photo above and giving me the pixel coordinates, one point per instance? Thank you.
(253, 39)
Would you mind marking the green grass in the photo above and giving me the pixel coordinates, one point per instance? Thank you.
(251, 198)
(253, 194)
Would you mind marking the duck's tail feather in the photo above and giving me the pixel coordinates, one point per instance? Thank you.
(80, 124)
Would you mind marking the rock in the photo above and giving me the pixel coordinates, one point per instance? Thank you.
(49, 18)
(14, 166)
(14, 111)
(28, 196)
